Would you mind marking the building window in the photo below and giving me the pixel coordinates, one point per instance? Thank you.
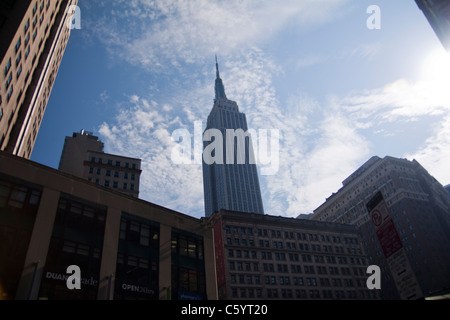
(27, 52)
(19, 71)
(142, 233)
(18, 208)
(19, 42)
(137, 260)
(187, 282)
(27, 39)
(19, 197)
(8, 66)
(27, 25)
(87, 221)
(9, 93)
(8, 81)
(188, 268)
(187, 246)
(19, 58)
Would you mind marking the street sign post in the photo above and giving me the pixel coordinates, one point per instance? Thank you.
(392, 246)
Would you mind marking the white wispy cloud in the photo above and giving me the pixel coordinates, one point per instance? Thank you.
(161, 32)
(366, 51)
(320, 143)
(145, 131)
(434, 155)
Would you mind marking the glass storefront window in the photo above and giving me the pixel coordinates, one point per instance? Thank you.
(18, 196)
(77, 239)
(19, 203)
(137, 275)
(188, 268)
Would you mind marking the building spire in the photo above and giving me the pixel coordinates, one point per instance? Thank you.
(220, 89)
(217, 68)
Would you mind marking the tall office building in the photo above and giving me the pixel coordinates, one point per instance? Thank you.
(437, 13)
(33, 37)
(83, 157)
(230, 181)
(418, 210)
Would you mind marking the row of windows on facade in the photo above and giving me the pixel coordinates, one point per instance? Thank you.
(387, 186)
(296, 269)
(293, 246)
(142, 270)
(140, 233)
(187, 280)
(115, 184)
(132, 231)
(290, 235)
(147, 235)
(297, 281)
(108, 173)
(264, 255)
(135, 268)
(7, 74)
(17, 196)
(187, 246)
(111, 162)
(245, 293)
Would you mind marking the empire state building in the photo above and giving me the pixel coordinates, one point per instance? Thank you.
(232, 184)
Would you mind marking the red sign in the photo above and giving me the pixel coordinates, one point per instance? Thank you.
(220, 260)
(377, 218)
(391, 244)
(390, 241)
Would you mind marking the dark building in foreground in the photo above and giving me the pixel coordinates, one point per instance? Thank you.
(126, 248)
(270, 257)
(437, 13)
(419, 208)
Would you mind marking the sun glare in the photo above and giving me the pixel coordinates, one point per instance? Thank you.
(436, 77)
(437, 67)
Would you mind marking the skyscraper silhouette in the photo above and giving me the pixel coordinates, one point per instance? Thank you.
(231, 185)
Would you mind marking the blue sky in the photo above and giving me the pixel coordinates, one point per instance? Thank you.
(339, 93)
